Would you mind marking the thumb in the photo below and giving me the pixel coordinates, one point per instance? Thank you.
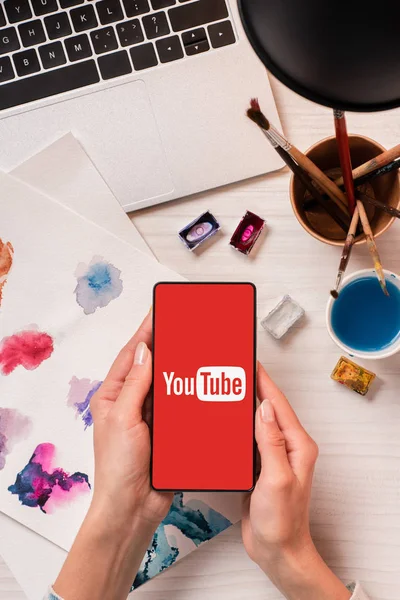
(271, 445)
(136, 386)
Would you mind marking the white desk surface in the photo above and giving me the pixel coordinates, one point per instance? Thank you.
(356, 497)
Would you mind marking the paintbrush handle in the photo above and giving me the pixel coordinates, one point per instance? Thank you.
(342, 139)
(390, 210)
(348, 245)
(329, 187)
(392, 166)
(337, 214)
(372, 247)
(375, 163)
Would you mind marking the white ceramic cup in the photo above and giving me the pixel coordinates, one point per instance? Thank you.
(385, 352)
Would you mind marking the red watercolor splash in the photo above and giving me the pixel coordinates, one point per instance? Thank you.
(27, 349)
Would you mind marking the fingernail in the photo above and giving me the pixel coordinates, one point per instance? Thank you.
(267, 412)
(140, 354)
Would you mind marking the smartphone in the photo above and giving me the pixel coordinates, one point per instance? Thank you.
(204, 353)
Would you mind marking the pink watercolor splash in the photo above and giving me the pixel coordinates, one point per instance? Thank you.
(41, 485)
(27, 349)
(14, 427)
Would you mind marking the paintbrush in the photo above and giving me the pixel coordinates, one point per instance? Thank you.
(347, 248)
(390, 210)
(375, 163)
(372, 247)
(302, 160)
(345, 163)
(392, 166)
(342, 140)
(337, 214)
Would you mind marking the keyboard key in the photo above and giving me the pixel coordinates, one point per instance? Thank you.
(32, 33)
(114, 65)
(104, 40)
(83, 18)
(157, 4)
(2, 17)
(48, 84)
(196, 35)
(221, 34)
(8, 40)
(134, 8)
(17, 10)
(109, 11)
(156, 25)
(143, 57)
(52, 55)
(130, 32)
(43, 7)
(6, 69)
(78, 47)
(26, 62)
(197, 13)
(197, 48)
(68, 3)
(58, 26)
(169, 49)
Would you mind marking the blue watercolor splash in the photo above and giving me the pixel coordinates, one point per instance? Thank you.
(98, 284)
(195, 520)
(38, 485)
(80, 394)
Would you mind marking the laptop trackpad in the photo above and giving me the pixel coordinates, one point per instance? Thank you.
(116, 127)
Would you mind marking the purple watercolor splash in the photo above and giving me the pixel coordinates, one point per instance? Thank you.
(40, 485)
(14, 427)
(98, 284)
(79, 397)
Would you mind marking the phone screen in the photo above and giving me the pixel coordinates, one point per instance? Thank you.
(203, 386)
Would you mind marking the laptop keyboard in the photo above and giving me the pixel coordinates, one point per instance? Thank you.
(48, 47)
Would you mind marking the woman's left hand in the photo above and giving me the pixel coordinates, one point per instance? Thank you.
(122, 487)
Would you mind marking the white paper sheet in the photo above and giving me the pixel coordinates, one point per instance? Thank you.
(64, 172)
(50, 242)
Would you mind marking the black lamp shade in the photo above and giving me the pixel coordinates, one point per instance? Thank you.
(343, 54)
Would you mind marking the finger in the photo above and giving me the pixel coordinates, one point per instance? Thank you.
(136, 387)
(124, 361)
(266, 388)
(275, 467)
(301, 449)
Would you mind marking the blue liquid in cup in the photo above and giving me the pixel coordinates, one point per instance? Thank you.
(363, 318)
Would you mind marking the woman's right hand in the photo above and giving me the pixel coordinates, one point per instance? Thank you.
(275, 525)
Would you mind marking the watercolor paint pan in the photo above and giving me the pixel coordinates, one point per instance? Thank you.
(353, 376)
(282, 318)
(199, 230)
(247, 233)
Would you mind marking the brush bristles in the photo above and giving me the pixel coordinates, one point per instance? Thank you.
(335, 294)
(254, 113)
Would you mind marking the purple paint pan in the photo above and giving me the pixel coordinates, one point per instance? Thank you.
(199, 230)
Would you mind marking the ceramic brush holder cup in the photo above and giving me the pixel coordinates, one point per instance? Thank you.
(385, 188)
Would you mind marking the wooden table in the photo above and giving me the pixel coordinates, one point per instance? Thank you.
(356, 496)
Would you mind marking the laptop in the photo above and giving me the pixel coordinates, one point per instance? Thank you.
(155, 90)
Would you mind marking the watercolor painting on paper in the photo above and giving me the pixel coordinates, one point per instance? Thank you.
(80, 394)
(41, 485)
(192, 522)
(98, 283)
(14, 427)
(6, 261)
(27, 349)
